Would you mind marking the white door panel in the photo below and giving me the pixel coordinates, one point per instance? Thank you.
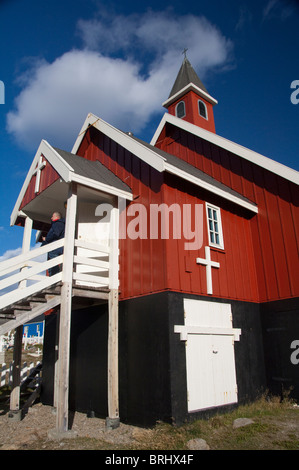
(210, 358)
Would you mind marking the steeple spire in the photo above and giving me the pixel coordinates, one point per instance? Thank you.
(186, 76)
(189, 98)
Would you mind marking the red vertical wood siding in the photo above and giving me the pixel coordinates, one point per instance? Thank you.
(236, 278)
(48, 176)
(142, 261)
(153, 265)
(274, 230)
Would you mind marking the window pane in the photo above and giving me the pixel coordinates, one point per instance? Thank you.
(214, 226)
(202, 109)
(180, 109)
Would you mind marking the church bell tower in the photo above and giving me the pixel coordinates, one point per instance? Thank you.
(190, 100)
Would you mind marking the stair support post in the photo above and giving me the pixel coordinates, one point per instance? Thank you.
(62, 383)
(15, 411)
(26, 243)
(113, 420)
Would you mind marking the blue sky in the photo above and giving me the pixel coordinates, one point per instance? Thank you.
(61, 59)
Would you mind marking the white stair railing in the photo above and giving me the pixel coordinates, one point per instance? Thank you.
(91, 262)
(26, 274)
(30, 267)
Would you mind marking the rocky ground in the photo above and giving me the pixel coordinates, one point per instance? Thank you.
(34, 431)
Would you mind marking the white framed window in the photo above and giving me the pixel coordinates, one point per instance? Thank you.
(202, 109)
(180, 110)
(214, 226)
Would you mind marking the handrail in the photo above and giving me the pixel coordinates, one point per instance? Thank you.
(91, 263)
(17, 262)
(28, 271)
(19, 294)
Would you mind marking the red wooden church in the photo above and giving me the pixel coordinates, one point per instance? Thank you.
(182, 252)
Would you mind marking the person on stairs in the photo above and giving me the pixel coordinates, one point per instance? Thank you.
(56, 232)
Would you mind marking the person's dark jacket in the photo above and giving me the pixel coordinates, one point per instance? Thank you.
(56, 232)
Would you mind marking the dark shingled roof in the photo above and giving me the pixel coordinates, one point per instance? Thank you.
(186, 76)
(180, 164)
(93, 170)
(98, 172)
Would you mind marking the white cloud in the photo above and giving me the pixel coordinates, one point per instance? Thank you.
(10, 254)
(125, 88)
(280, 9)
(56, 101)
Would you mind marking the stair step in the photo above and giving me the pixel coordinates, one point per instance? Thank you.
(7, 310)
(20, 306)
(18, 312)
(8, 316)
(40, 300)
(51, 296)
(54, 288)
(35, 302)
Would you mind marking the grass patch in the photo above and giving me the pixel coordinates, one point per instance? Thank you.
(276, 426)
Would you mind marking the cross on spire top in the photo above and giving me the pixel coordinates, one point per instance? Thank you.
(185, 52)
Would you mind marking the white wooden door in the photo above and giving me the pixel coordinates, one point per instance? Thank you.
(210, 358)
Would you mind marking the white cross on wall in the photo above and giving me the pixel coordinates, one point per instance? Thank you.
(41, 164)
(209, 265)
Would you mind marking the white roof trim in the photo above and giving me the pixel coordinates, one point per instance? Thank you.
(65, 171)
(156, 161)
(122, 139)
(54, 159)
(184, 90)
(247, 154)
(101, 186)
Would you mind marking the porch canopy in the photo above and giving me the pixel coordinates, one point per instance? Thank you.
(46, 186)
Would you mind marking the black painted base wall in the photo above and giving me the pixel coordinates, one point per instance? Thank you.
(152, 362)
(280, 322)
(88, 360)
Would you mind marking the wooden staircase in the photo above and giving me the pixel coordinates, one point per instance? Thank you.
(28, 308)
(33, 293)
(45, 300)
(87, 276)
